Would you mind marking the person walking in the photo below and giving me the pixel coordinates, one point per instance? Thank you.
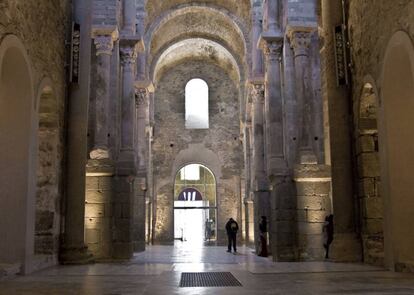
(263, 237)
(231, 228)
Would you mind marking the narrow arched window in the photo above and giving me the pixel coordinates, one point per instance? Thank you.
(196, 104)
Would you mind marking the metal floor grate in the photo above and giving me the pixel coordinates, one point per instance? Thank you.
(208, 279)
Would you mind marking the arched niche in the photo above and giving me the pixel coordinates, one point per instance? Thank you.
(47, 193)
(369, 179)
(396, 150)
(17, 155)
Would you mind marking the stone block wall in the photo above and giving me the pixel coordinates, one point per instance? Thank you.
(371, 25)
(172, 140)
(98, 216)
(301, 12)
(106, 12)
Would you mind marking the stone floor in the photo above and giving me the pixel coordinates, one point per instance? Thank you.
(158, 271)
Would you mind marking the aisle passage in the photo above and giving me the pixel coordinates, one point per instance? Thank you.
(160, 268)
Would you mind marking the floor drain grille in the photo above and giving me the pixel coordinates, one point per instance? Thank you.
(208, 279)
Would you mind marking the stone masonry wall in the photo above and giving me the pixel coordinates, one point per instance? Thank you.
(41, 26)
(371, 25)
(171, 137)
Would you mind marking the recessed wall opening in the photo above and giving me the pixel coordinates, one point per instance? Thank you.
(369, 177)
(195, 207)
(196, 105)
(46, 229)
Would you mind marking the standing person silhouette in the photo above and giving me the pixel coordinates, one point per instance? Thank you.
(328, 233)
(263, 237)
(231, 228)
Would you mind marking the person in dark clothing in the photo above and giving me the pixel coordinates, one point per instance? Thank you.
(328, 233)
(263, 237)
(231, 228)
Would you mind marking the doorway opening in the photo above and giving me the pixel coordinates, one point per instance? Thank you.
(195, 209)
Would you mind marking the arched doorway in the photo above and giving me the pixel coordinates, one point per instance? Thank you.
(17, 155)
(396, 150)
(195, 207)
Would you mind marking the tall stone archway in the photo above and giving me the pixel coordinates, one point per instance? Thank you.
(396, 147)
(17, 155)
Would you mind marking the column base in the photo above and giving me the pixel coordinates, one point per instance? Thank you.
(123, 251)
(346, 247)
(75, 255)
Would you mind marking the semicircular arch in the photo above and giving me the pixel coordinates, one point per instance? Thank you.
(196, 48)
(197, 21)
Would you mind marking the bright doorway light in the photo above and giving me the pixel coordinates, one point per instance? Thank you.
(190, 172)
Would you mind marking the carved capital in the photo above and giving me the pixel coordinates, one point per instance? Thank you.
(257, 92)
(104, 38)
(128, 56)
(141, 97)
(300, 41)
(273, 50)
(104, 44)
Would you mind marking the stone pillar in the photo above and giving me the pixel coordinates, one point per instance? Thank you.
(127, 156)
(142, 94)
(104, 42)
(312, 180)
(261, 193)
(276, 164)
(126, 184)
(272, 15)
(300, 41)
(141, 108)
(247, 158)
(257, 57)
(74, 249)
(130, 22)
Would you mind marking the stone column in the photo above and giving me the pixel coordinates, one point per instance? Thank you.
(104, 42)
(261, 192)
(312, 179)
(127, 155)
(130, 22)
(143, 91)
(74, 248)
(257, 57)
(127, 186)
(272, 15)
(276, 164)
(142, 95)
(300, 41)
